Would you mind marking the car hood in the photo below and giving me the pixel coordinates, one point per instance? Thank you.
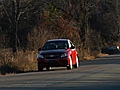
(52, 51)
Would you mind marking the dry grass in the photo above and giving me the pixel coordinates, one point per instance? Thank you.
(93, 57)
(101, 55)
(15, 63)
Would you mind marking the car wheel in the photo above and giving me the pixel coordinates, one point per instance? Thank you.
(70, 66)
(40, 68)
(48, 68)
(77, 63)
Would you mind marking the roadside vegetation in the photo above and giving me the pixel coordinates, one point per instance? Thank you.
(25, 25)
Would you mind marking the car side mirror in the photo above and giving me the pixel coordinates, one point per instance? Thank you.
(39, 49)
(72, 47)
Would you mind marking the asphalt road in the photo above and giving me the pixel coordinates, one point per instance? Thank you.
(99, 74)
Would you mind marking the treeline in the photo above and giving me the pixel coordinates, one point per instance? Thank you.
(25, 25)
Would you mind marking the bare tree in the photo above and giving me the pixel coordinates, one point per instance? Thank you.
(16, 12)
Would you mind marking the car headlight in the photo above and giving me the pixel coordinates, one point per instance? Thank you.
(64, 55)
(40, 56)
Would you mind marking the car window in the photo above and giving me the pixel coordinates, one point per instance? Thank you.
(55, 45)
(71, 44)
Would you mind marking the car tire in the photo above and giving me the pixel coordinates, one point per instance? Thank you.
(48, 68)
(40, 68)
(70, 66)
(77, 62)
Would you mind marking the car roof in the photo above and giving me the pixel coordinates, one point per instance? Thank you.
(58, 40)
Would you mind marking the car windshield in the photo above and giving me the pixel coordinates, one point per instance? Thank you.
(51, 45)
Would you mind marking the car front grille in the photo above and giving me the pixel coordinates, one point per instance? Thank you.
(52, 56)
